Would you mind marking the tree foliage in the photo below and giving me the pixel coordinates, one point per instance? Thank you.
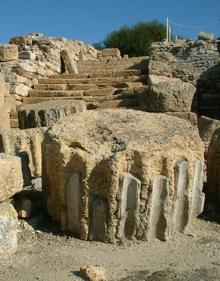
(136, 40)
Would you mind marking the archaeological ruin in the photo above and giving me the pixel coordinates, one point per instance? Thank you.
(124, 146)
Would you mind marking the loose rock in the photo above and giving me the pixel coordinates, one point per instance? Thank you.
(8, 228)
(93, 273)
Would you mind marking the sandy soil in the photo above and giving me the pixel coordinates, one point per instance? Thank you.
(48, 256)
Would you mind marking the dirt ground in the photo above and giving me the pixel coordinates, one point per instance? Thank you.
(50, 256)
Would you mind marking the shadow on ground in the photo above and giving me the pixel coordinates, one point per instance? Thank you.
(201, 274)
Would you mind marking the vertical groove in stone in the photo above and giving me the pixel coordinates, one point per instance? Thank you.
(198, 197)
(181, 204)
(98, 215)
(129, 201)
(73, 201)
(159, 198)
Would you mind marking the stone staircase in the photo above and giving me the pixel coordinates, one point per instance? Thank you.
(103, 83)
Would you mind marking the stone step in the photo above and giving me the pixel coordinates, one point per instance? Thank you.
(127, 103)
(63, 87)
(133, 78)
(32, 100)
(121, 73)
(131, 95)
(56, 93)
(79, 93)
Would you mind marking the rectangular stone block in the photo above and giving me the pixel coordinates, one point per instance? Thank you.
(8, 228)
(69, 63)
(8, 52)
(11, 177)
(111, 52)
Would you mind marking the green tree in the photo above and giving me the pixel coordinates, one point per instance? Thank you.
(98, 46)
(136, 40)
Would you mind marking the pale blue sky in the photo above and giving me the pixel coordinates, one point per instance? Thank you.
(91, 20)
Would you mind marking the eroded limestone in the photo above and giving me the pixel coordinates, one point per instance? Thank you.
(11, 179)
(8, 228)
(116, 171)
(45, 114)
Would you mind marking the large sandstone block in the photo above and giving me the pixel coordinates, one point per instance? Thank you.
(207, 127)
(169, 94)
(45, 114)
(28, 140)
(11, 179)
(110, 52)
(69, 63)
(8, 52)
(213, 167)
(18, 40)
(8, 228)
(126, 174)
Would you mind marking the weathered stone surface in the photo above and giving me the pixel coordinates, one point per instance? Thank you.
(38, 56)
(19, 40)
(93, 273)
(69, 63)
(8, 228)
(20, 90)
(169, 94)
(189, 116)
(196, 62)
(129, 202)
(28, 140)
(207, 127)
(207, 36)
(27, 55)
(198, 197)
(180, 215)
(110, 52)
(4, 116)
(109, 182)
(11, 180)
(159, 68)
(45, 114)
(2, 89)
(213, 167)
(4, 103)
(159, 200)
(8, 52)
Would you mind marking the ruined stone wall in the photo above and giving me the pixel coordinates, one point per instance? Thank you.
(197, 62)
(28, 58)
(107, 64)
(5, 102)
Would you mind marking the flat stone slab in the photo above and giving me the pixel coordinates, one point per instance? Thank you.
(169, 94)
(11, 179)
(8, 228)
(125, 174)
(45, 114)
